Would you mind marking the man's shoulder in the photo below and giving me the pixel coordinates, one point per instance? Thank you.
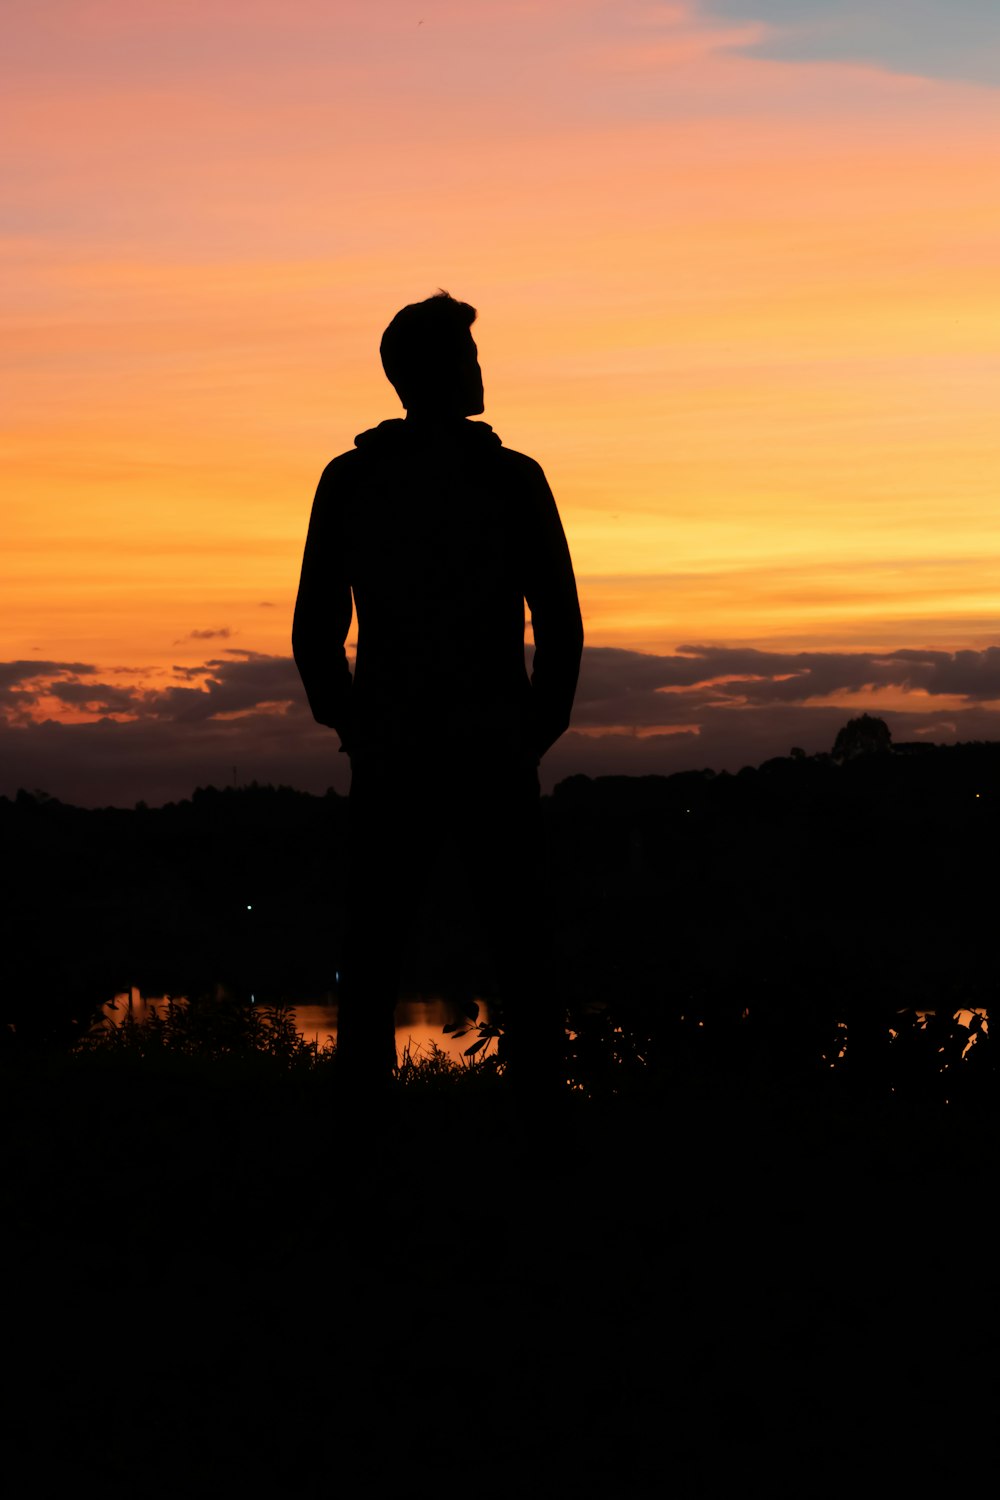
(518, 460)
(340, 470)
(343, 463)
(390, 441)
(520, 467)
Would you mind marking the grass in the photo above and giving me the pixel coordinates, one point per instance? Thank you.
(638, 1050)
(722, 1266)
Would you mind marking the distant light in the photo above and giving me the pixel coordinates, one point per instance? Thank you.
(336, 976)
(249, 908)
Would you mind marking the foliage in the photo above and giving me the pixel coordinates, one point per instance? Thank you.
(485, 1031)
(213, 1026)
(637, 1050)
(866, 735)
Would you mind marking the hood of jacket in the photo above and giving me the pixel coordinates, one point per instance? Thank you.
(400, 435)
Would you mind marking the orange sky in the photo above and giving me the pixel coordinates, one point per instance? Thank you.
(743, 311)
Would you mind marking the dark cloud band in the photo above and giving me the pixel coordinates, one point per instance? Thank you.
(636, 713)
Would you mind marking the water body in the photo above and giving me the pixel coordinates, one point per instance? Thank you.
(419, 1022)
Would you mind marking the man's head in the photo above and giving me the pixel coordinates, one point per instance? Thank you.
(430, 356)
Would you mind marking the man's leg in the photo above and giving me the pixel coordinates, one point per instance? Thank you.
(379, 901)
(502, 850)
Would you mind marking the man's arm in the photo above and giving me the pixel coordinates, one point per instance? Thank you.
(550, 591)
(323, 612)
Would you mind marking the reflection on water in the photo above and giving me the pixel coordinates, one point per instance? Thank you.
(419, 1024)
(419, 1021)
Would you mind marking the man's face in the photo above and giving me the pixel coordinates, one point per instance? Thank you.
(454, 388)
(472, 382)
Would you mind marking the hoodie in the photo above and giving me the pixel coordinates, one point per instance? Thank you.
(439, 534)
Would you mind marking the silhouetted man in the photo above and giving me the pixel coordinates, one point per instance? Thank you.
(441, 534)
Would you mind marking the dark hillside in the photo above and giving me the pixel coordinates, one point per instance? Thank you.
(802, 884)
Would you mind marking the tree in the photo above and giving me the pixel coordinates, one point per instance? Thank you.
(864, 736)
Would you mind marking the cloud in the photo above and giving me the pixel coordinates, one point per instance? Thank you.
(957, 39)
(618, 689)
(96, 697)
(631, 688)
(239, 682)
(17, 673)
(973, 674)
(223, 633)
(23, 683)
(636, 713)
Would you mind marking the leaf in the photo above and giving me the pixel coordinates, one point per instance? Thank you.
(476, 1047)
(451, 1026)
(471, 1009)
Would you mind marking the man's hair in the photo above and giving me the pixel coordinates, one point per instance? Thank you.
(424, 346)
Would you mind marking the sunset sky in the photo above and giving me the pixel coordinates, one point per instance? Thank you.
(736, 270)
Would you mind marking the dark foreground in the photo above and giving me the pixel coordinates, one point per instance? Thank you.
(223, 1280)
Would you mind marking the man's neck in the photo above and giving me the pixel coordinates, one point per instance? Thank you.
(434, 417)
